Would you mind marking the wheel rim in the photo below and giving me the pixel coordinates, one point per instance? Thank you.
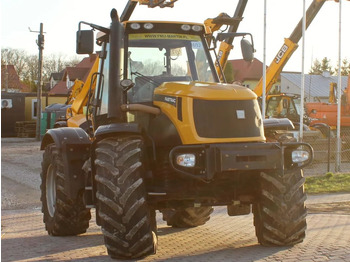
(51, 190)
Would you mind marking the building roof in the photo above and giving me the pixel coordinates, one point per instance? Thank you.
(315, 85)
(87, 61)
(80, 71)
(74, 73)
(57, 76)
(9, 73)
(244, 70)
(59, 89)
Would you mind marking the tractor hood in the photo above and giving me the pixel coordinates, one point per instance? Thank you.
(205, 90)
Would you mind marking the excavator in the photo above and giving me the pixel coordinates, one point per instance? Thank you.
(81, 93)
(327, 112)
(287, 49)
(287, 105)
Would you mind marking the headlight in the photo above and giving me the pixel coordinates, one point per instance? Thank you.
(186, 160)
(299, 156)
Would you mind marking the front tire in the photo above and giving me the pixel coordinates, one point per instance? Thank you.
(62, 216)
(280, 214)
(128, 224)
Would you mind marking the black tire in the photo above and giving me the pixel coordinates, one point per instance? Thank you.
(280, 214)
(62, 216)
(187, 217)
(128, 224)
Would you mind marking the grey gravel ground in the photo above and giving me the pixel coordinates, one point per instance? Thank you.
(20, 173)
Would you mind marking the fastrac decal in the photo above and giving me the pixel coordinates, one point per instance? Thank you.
(167, 99)
(170, 100)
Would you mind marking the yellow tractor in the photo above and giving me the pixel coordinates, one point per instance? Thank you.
(167, 136)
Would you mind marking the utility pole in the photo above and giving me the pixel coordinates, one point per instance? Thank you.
(40, 43)
(338, 155)
(7, 72)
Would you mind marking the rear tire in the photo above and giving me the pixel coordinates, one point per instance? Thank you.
(62, 216)
(280, 216)
(187, 217)
(128, 224)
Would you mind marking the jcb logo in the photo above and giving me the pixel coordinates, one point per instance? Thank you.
(281, 53)
(219, 57)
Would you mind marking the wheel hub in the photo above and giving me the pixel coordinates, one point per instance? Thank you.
(51, 190)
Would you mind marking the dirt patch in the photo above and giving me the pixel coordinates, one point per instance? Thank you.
(340, 208)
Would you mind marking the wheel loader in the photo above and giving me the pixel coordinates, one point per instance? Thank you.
(167, 138)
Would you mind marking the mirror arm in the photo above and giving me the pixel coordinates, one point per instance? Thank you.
(97, 27)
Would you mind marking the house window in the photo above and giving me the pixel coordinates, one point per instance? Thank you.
(34, 108)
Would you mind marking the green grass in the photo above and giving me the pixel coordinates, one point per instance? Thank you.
(329, 183)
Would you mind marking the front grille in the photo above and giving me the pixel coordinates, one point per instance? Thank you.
(227, 119)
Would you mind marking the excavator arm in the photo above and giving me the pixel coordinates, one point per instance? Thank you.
(131, 4)
(80, 98)
(287, 49)
(214, 24)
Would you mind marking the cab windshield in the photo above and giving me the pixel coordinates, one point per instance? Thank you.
(178, 57)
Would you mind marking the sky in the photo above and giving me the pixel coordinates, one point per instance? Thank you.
(60, 22)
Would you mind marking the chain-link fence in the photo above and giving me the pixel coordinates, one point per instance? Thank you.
(324, 142)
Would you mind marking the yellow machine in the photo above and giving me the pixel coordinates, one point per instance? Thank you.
(214, 24)
(167, 135)
(282, 57)
(80, 90)
(287, 49)
(80, 96)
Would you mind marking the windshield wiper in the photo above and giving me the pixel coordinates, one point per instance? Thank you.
(147, 78)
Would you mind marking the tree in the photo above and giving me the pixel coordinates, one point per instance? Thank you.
(316, 68)
(228, 72)
(30, 75)
(27, 65)
(319, 67)
(344, 68)
(16, 57)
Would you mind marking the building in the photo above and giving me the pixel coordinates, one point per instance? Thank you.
(55, 78)
(70, 74)
(250, 73)
(10, 81)
(316, 86)
(22, 107)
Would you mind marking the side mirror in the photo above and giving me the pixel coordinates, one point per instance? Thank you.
(247, 50)
(85, 42)
(246, 47)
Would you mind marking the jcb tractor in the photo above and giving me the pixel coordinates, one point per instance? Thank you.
(168, 137)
